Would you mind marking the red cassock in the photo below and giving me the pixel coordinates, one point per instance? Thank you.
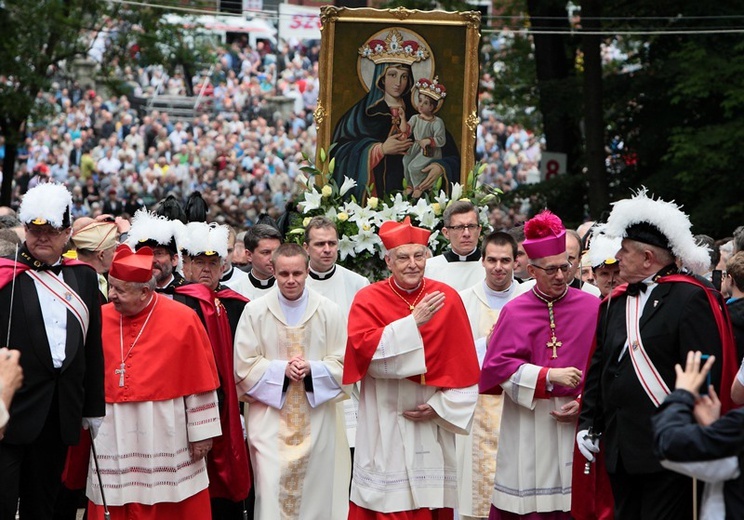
(227, 463)
(451, 361)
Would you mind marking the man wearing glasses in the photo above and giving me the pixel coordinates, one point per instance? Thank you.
(460, 267)
(536, 355)
(52, 308)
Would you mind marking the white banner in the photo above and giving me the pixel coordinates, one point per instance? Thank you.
(299, 22)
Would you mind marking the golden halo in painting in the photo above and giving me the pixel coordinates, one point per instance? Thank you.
(394, 45)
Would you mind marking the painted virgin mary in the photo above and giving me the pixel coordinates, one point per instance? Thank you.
(372, 138)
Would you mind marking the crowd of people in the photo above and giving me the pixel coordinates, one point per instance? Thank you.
(240, 151)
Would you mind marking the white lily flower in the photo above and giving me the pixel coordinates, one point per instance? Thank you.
(420, 209)
(433, 239)
(312, 201)
(456, 191)
(442, 199)
(366, 240)
(428, 220)
(346, 247)
(483, 217)
(331, 213)
(358, 213)
(346, 186)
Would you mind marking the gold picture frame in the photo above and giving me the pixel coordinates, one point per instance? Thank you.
(368, 101)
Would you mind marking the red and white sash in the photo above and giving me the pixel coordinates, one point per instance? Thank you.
(649, 377)
(64, 293)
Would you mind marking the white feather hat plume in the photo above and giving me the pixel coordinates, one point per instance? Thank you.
(148, 226)
(668, 218)
(203, 238)
(46, 203)
(602, 249)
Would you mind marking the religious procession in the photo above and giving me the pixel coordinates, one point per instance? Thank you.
(339, 316)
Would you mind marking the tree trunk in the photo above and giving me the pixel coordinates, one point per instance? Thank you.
(593, 113)
(554, 67)
(12, 134)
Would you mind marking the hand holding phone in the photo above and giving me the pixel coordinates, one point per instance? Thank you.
(693, 375)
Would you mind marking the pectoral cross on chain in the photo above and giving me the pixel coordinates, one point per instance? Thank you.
(554, 344)
(121, 371)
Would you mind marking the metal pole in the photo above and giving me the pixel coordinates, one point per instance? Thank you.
(12, 295)
(106, 513)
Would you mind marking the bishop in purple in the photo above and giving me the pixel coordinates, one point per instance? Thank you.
(535, 356)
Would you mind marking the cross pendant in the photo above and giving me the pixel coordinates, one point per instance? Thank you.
(121, 371)
(554, 344)
(411, 307)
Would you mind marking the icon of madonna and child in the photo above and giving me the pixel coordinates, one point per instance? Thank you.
(393, 133)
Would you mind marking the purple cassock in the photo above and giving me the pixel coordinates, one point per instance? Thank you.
(523, 332)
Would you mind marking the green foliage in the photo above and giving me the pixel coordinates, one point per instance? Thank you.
(679, 112)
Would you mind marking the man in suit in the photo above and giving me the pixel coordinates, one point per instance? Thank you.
(645, 328)
(55, 322)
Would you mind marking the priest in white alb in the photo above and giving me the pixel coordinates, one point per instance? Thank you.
(289, 349)
(476, 453)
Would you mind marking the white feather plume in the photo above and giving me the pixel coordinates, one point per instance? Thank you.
(149, 226)
(602, 248)
(48, 201)
(668, 217)
(201, 237)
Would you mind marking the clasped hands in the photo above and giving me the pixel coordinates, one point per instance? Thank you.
(297, 368)
(570, 377)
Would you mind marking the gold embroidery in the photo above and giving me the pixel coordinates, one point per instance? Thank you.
(294, 429)
(485, 432)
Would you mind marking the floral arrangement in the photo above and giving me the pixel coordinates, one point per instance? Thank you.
(360, 248)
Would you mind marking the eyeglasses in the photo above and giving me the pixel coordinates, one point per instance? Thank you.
(51, 232)
(461, 228)
(551, 271)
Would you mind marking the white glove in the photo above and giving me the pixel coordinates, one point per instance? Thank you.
(93, 424)
(587, 446)
(740, 374)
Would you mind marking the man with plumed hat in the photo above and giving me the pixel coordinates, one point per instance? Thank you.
(289, 350)
(536, 354)
(52, 307)
(221, 308)
(161, 404)
(602, 261)
(411, 347)
(646, 327)
(95, 242)
(161, 235)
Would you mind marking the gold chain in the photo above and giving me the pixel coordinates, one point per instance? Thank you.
(553, 343)
(411, 306)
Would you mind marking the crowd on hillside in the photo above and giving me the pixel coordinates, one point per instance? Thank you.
(241, 152)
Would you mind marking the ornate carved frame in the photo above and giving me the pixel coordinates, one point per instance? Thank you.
(345, 30)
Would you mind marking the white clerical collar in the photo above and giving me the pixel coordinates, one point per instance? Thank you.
(317, 275)
(472, 256)
(409, 291)
(293, 309)
(499, 294)
(259, 283)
